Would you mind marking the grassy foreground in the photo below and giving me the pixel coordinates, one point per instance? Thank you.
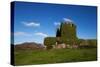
(29, 57)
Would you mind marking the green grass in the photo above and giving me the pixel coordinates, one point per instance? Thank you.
(28, 57)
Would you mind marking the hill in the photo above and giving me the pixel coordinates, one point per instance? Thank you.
(28, 45)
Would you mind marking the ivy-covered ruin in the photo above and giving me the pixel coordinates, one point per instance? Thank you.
(65, 36)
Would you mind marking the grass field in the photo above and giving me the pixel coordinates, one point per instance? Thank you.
(29, 57)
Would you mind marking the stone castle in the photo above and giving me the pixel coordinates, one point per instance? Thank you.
(66, 36)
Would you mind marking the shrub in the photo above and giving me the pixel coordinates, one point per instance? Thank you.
(49, 41)
(90, 43)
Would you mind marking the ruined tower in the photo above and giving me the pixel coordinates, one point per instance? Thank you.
(68, 32)
(65, 34)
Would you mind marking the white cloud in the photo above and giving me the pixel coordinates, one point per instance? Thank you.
(41, 34)
(56, 23)
(21, 34)
(67, 20)
(31, 24)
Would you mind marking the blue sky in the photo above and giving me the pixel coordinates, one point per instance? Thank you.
(35, 21)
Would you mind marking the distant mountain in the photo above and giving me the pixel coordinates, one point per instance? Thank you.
(28, 45)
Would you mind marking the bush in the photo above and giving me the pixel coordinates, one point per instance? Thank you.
(49, 41)
(90, 43)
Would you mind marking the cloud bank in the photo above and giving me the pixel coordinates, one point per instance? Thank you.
(31, 24)
(67, 20)
(56, 23)
(21, 34)
(41, 34)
